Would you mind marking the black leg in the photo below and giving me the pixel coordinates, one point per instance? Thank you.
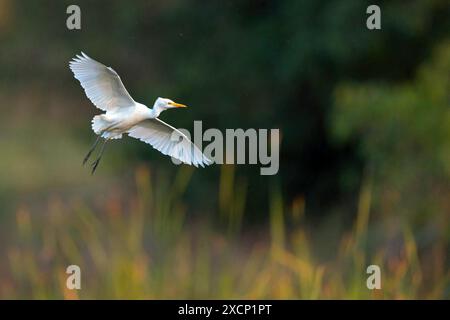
(92, 149)
(96, 162)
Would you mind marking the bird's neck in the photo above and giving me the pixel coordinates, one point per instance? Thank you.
(155, 112)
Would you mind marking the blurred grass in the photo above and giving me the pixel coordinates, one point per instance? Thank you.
(147, 248)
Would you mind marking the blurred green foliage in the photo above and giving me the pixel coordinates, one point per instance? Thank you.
(404, 134)
(239, 64)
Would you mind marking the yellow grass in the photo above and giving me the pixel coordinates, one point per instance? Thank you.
(148, 248)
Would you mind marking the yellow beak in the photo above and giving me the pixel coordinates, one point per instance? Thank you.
(177, 105)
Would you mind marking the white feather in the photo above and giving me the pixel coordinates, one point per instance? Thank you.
(101, 84)
(162, 137)
(124, 115)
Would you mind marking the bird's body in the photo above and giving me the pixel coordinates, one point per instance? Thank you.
(112, 124)
(124, 115)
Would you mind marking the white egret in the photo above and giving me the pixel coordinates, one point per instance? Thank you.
(124, 115)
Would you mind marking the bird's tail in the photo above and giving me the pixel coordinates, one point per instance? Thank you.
(99, 124)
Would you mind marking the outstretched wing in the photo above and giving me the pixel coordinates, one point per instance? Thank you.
(101, 83)
(169, 141)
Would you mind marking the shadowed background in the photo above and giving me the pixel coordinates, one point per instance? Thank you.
(364, 160)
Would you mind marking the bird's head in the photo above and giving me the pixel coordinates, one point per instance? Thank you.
(164, 104)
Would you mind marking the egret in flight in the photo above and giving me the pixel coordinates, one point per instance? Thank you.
(124, 115)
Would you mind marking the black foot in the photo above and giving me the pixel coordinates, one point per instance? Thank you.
(87, 157)
(94, 165)
(91, 150)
